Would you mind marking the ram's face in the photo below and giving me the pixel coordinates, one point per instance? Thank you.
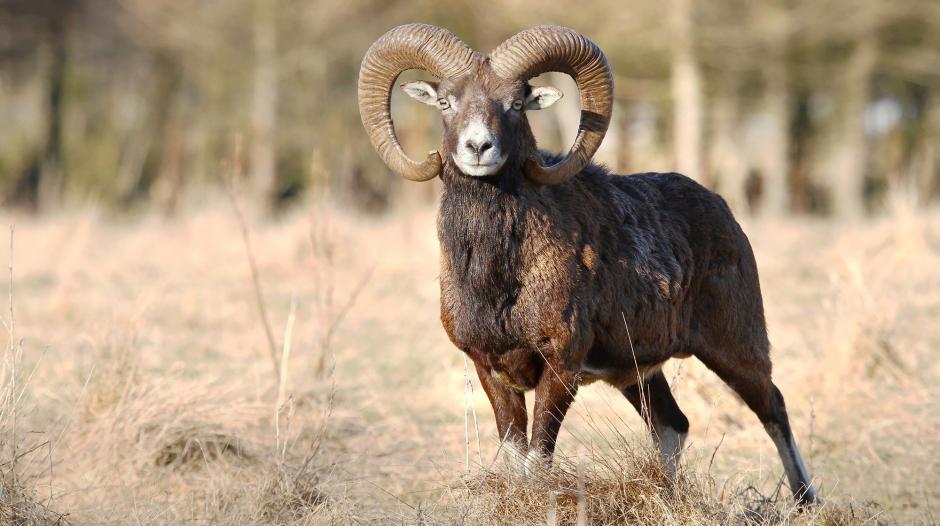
(484, 117)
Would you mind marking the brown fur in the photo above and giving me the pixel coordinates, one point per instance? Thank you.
(547, 288)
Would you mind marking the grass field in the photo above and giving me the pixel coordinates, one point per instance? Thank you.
(139, 386)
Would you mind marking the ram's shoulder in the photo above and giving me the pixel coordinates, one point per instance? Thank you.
(670, 191)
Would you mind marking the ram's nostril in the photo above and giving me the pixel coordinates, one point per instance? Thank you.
(477, 147)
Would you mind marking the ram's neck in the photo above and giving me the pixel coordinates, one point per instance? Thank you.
(481, 228)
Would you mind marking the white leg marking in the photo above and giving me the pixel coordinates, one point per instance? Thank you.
(671, 444)
(792, 462)
(535, 462)
(515, 457)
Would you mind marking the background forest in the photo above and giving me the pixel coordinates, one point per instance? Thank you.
(783, 106)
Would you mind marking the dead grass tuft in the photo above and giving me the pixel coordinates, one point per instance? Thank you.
(20, 506)
(289, 495)
(627, 485)
(195, 447)
(170, 423)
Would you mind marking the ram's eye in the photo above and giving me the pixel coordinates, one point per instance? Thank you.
(443, 104)
(517, 104)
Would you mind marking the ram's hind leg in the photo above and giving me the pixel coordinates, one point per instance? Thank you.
(654, 401)
(750, 378)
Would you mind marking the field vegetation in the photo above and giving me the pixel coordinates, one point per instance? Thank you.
(138, 385)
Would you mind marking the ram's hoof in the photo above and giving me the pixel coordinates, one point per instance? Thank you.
(535, 463)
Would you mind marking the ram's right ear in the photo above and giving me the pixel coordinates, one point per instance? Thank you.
(422, 91)
(542, 97)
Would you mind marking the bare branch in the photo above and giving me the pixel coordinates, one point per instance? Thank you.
(232, 173)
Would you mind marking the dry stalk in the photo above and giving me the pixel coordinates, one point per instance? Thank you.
(285, 351)
(335, 320)
(282, 379)
(582, 504)
(466, 415)
(812, 432)
(231, 175)
(13, 353)
(644, 404)
(323, 247)
(468, 393)
(551, 518)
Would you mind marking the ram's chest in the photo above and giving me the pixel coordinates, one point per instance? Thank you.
(495, 304)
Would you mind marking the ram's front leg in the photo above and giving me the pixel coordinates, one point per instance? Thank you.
(553, 396)
(508, 408)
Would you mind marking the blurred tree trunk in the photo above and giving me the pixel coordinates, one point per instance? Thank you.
(41, 35)
(927, 166)
(52, 169)
(622, 122)
(264, 106)
(774, 156)
(165, 191)
(847, 173)
(145, 158)
(686, 92)
(567, 116)
(729, 166)
(417, 132)
(774, 25)
(803, 148)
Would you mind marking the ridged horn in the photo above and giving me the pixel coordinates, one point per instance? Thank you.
(541, 49)
(411, 46)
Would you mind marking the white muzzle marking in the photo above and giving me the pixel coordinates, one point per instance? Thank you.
(478, 151)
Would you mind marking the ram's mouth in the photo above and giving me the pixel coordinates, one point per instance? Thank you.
(478, 169)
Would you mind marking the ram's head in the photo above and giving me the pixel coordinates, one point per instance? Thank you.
(483, 99)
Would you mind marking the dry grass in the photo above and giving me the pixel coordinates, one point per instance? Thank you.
(629, 487)
(143, 393)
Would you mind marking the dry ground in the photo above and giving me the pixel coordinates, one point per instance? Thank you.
(145, 393)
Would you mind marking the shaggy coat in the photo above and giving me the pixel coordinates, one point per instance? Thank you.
(604, 275)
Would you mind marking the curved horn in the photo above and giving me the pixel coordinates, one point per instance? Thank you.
(410, 46)
(553, 48)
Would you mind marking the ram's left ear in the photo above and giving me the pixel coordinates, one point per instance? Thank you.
(422, 91)
(542, 97)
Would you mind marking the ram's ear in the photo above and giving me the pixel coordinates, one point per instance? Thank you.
(542, 97)
(422, 91)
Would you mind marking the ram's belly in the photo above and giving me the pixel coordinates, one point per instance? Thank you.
(619, 377)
